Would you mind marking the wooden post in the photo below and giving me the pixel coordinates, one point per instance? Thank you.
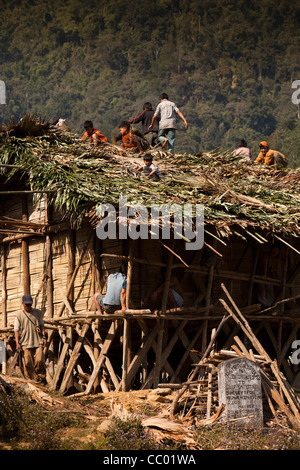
(25, 252)
(4, 299)
(253, 275)
(3, 286)
(161, 330)
(71, 250)
(49, 265)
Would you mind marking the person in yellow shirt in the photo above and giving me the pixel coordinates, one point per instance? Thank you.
(270, 157)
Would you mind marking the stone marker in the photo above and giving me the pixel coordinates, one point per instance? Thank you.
(239, 388)
(2, 92)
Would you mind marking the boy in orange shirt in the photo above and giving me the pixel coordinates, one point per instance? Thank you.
(92, 134)
(129, 140)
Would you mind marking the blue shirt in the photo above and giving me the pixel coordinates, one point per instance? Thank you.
(115, 283)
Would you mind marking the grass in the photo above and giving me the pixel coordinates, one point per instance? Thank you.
(222, 437)
(26, 426)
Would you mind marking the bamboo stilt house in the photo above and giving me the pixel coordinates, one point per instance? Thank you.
(51, 186)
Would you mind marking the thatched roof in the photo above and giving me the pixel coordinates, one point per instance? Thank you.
(80, 177)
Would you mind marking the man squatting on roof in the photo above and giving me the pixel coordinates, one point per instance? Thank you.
(270, 157)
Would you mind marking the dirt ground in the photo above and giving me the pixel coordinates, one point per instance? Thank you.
(98, 410)
(152, 408)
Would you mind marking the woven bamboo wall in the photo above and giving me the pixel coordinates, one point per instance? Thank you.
(240, 257)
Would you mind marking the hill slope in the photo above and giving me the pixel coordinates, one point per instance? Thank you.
(228, 65)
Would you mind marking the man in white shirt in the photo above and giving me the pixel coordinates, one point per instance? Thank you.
(166, 112)
(30, 338)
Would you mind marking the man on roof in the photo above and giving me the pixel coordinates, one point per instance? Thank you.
(270, 157)
(167, 111)
(145, 117)
(92, 134)
(129, 140)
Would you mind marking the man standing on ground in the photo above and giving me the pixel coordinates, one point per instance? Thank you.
(167, 112)
(30, 338)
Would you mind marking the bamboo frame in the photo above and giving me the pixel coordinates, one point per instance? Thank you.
(160, 332)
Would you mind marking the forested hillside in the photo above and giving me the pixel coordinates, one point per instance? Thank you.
(229, 66)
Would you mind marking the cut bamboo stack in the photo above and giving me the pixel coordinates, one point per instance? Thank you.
(200, 392)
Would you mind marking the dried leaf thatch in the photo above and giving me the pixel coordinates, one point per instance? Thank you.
(82, 177)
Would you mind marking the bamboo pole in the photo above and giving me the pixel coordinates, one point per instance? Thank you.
(74, 357)
(3, 287)
(71, 251)
(102, 357)
(198, 366)
(141, 354)
(161, 330)
(4, 299)
(72, 280)
(126, 326)
(25, 252)
(165, 354)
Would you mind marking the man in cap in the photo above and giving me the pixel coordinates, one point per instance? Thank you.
(270, 157)
(30, 338)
